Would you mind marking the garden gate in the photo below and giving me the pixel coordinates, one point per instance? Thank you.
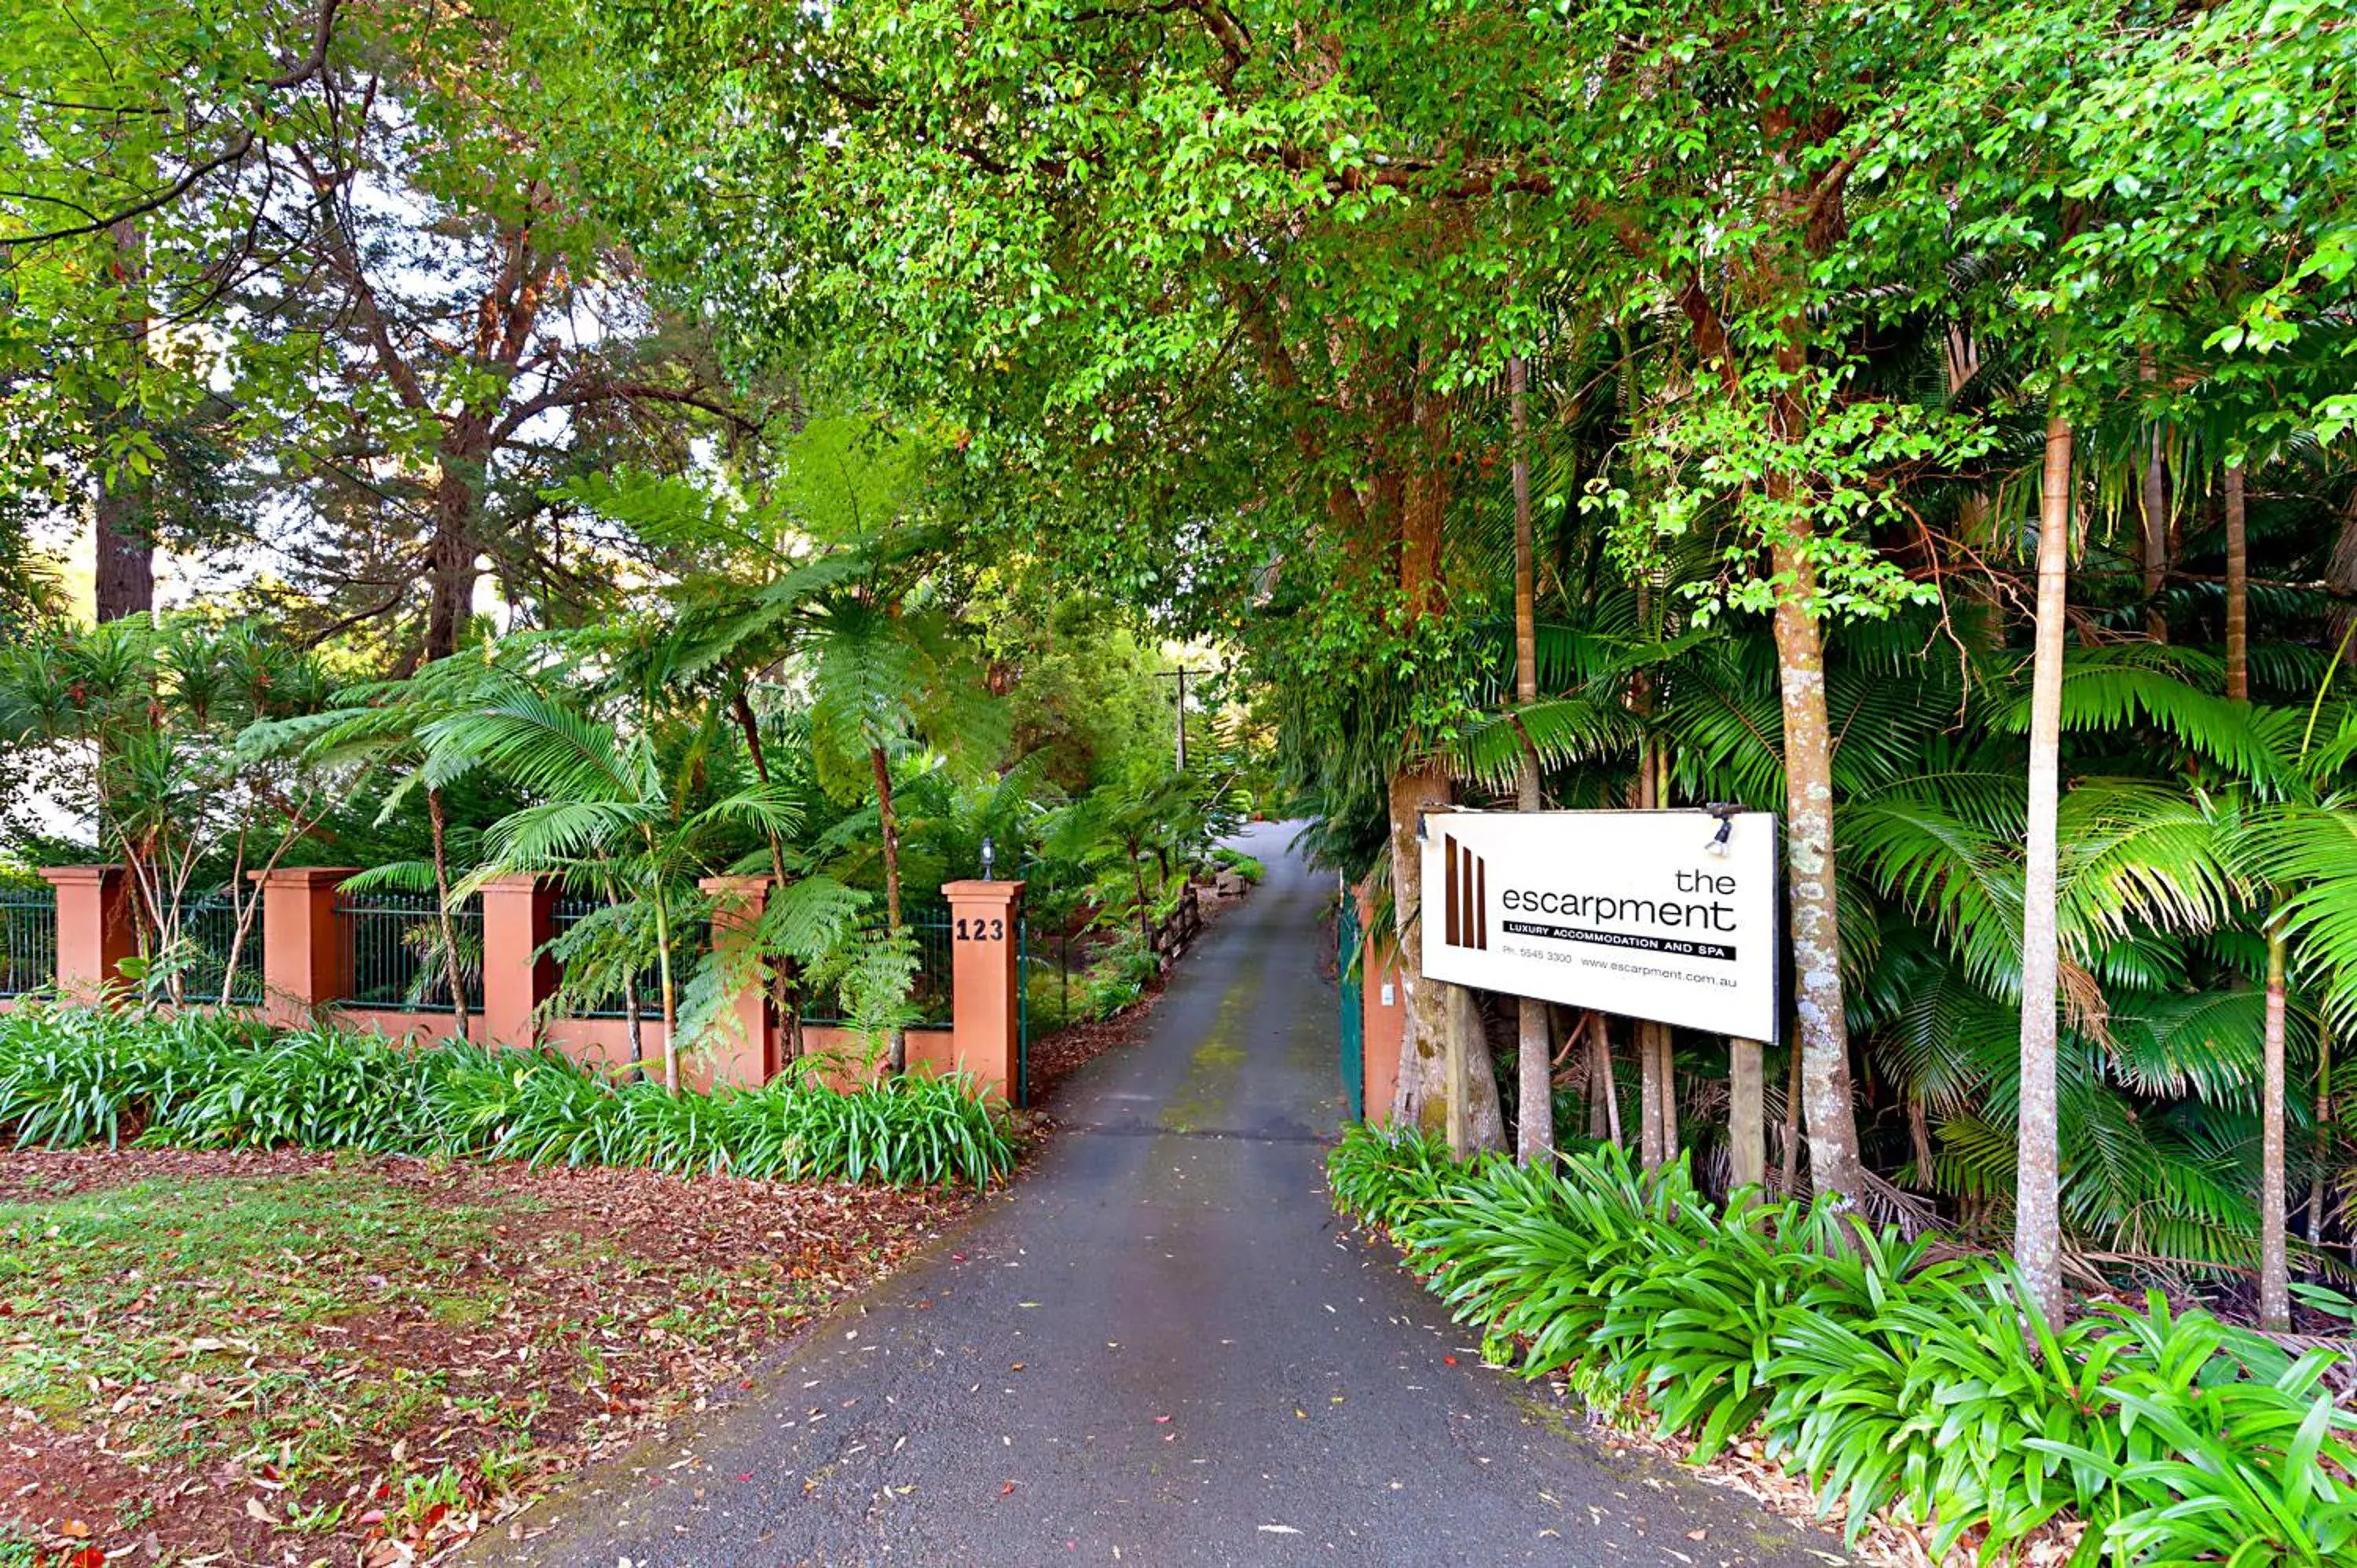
(1348, 970)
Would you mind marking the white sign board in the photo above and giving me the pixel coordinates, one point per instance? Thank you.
(1647, 914)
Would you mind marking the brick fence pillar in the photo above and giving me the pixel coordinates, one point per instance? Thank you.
(519, 918)
(747, 1052)
(306, 962)
(94, 929)
(985, 933)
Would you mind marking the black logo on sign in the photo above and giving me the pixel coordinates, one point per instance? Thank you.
(1467, 882)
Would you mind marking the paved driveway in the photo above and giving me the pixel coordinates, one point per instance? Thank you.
(1160, 1348)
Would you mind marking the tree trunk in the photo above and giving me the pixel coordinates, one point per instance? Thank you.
(1606, 1121)
(454, 973)
(1656, 1106)
(1433, 1093)
(1651, 1142)
(1788, 1172)
(1831, 1120)
(1747, 1113)
(1918, 1133)
(2340, 576)
(891, 829)
(2322, 1162)
(1144, 904)
(126, 570)
(123, 571)
(2238, 591)
(450, 561)
(1468, 1052)
(1665, 1081)
(783, 999)
(1420, 1097)
(2153, 506)
(1986, 627)
(2275, 1262)
(2038, 1224)
(670, 996)
(1534, 1053)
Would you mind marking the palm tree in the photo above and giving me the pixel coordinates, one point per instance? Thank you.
(832, 596)
(601, 808)
(2296, 855)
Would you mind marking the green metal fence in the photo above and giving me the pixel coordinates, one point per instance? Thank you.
(930, 991)
(1350, 968)
(569, 912)
(394, 943)
(28, 941)
(200, 959)
(1022, 1085)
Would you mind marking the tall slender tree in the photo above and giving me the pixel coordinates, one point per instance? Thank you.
(2038, 1222)
(1535, 1099)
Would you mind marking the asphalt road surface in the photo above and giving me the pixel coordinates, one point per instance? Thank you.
(1161, 1348)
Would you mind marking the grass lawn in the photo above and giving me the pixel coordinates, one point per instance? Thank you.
(236, 1358)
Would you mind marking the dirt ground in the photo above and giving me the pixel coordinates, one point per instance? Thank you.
(294, 1358)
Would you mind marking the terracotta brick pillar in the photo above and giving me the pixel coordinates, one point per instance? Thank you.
(519, 918)
(746, 1054)
(305, 964)
(94, 930)
(984, 1029)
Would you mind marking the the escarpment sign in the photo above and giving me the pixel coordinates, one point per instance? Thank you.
(1662, 915)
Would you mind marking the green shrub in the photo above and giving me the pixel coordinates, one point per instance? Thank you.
(316, 1088)
(903, 1131)
(1237, 861)
(74, 1076)
(70, 1075)
(1882, 1376)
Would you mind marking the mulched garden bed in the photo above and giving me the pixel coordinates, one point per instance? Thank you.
(298, 1357)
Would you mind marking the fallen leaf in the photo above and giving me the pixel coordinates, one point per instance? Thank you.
(76, 1529)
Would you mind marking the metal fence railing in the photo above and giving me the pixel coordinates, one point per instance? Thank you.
(394, 950)
(28, 941)
(930, 991)
(935, 964)
(199, 959)
(569, 912)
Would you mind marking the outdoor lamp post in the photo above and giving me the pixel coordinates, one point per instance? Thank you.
(989, 853)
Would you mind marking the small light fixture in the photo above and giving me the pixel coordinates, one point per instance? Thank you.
(1725, 811)
(990, 853)
(1420, 837)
